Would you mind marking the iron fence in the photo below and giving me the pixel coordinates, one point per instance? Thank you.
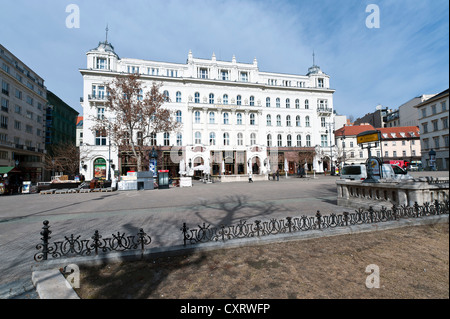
(75, 246)
(258, 228)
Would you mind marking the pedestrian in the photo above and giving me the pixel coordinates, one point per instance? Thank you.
(278, 174)
(250, 177)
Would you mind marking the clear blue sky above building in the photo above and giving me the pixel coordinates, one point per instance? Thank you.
(407, 56)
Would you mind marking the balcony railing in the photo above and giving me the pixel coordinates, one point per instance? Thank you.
(92, 97)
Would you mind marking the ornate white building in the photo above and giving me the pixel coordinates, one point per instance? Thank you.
(231, 113)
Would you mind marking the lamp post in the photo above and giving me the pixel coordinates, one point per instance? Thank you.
(331, 148)
(153, 160)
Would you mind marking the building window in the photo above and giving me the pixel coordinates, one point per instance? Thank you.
(100, 138)
(225, 99)
(288, 103)
(5, 88)
(179, 117)
(269, 140)
(289, 140)
(306, 104)
(212, 118)
(224, 75)
(297, 103)
(278, 102)
(322, 122)
(297, 121)
(226, 139)
(212, 138)
(197, 97)
(278, 120)
(202, 73)
(433, 109)
(445, 141)
(436, 142)
(197, 117)
(226, 119)
(267, 101)
(307, 121)
(435, 125)
(239, 100)
(324, 140)
(240, 139)
(308, 140)
(279, 140)
(361, 154)
(404, 153)
(444, 106)
(425, 127)
(166, 139)
(100, 113)
(211, 98)
(299, 140)
(252, 139)
(179, 139)
(5, 105)
(239, 119)
(252, 119)
(244, 76)
(166, 96)
(153, 139)
(424, 112)
(178, 97)
(268, 120)
(426, 143)
(101, 63)
(288, 120)
(320, 83)
(252, 100)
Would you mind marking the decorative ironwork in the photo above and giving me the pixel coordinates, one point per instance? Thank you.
(75, 246)
(207, 233)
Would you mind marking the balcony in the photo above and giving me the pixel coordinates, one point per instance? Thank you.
(92, 97)
(323, 110)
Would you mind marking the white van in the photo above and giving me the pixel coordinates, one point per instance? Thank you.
(359, 172)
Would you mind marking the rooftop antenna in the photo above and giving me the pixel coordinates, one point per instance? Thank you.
(107, 29)
(314, 58)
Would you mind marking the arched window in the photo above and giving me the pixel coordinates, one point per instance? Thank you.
(198, 138)
(211, 98)
(289, 140)
(288, 103)
(269, 140)
(239, 100)
(278, 120)
(225, 99)
(252, 100)
(166, 96)
(288, 120)
(179, 117)
(226, 139)
(307, 121)
(299, 140)
(197, 116)
(268, 120)
(267, 101)
(278, 103)
(179, 139)
(212, 118)
(240, 139)
(252, 119)
(297, 103)
(226, 119)
(306, 104)
(178, 97)
(239, 119)
(197, 97)
(297, 121)
(252, 139)
(166, 139)
(279, 140)
(308, 140)
(212, 138)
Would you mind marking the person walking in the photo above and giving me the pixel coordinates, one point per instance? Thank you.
(250, 177)
(278, 174)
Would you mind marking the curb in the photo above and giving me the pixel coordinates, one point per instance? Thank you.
(51, 284)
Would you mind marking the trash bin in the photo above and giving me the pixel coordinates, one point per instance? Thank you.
(163, 179)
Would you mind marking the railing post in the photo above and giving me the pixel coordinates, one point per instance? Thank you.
(318, 216)
(184, 229)
(96, 239)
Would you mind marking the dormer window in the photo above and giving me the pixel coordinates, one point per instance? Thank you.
(202, 73)
(244, 76)
(320, 83)
(101, 63)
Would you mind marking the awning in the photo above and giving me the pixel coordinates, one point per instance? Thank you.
(8, 169)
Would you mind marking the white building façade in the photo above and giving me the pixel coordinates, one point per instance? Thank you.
(233, 115)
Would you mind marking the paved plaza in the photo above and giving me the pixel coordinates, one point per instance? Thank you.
(161, 213)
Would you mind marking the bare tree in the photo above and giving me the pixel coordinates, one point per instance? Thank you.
(135, 116)
(63, 158)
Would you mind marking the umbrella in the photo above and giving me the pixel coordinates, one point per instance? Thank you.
(286, 168)
(199, 168)
(223, 167)
(206, 169)
(182, 170)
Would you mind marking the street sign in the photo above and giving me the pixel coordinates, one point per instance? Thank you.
(367, 137)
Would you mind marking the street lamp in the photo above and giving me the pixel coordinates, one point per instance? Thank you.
(331, 148)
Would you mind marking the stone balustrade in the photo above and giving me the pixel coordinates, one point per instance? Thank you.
(357, 194)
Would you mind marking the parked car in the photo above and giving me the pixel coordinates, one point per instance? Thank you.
(359, 172)
(400, 173)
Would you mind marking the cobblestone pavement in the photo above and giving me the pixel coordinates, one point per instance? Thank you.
(160, 212)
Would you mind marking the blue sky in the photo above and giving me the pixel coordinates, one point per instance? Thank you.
(407, 56)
